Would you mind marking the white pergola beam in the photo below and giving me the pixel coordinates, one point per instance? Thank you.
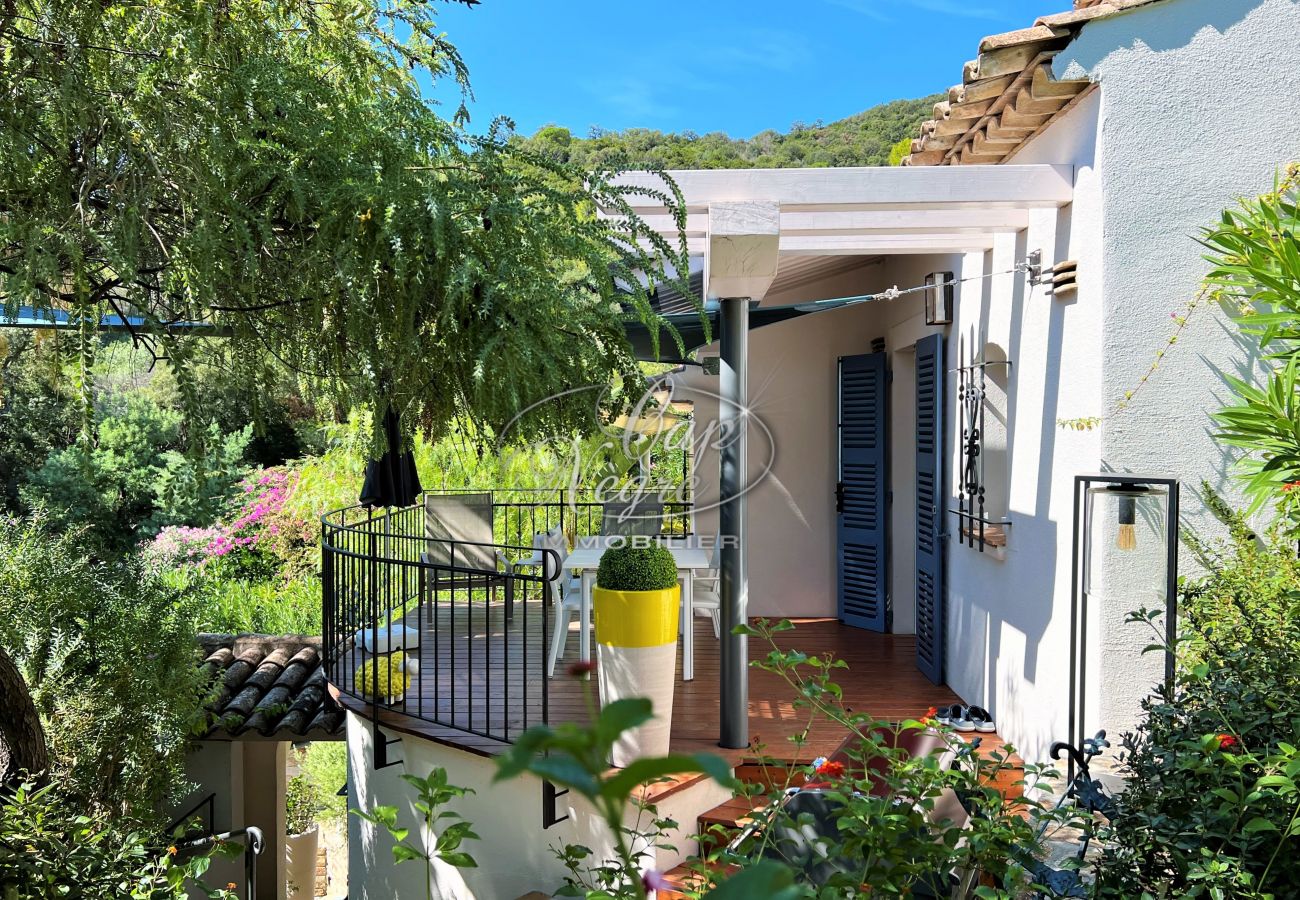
(859, 245)
(866, 188)
(923, 221)
(741, 249)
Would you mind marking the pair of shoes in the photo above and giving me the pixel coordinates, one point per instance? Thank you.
(967, 718)
(952, 715)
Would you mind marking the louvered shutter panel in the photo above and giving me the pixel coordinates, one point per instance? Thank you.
(862, 499)
(930, 376)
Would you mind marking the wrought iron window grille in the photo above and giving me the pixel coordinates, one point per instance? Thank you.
(975, 528)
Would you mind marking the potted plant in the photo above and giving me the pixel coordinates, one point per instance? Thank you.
(386, 677)
(637, 603)
(302, 836)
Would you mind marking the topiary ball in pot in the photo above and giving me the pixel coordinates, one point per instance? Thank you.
(637, 604)
(637, 568)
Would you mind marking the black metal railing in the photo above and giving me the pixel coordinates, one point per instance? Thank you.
(478, 623)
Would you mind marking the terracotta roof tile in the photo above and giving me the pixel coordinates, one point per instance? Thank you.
(1008, 94)
(270, 686)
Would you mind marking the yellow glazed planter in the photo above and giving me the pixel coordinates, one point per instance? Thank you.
(636, 651)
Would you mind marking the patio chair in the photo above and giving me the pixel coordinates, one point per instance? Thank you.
(636, 517)
(459, 546)
(566, 597)
(459, 531)
(706, 596)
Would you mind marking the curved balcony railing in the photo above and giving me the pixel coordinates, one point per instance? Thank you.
(441, 581)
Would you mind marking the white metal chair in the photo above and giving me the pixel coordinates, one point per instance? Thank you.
(566, 597)
(706, 594)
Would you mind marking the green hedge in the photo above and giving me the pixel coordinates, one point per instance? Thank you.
(635, 568)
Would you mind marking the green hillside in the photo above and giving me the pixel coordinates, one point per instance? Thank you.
(865, 139)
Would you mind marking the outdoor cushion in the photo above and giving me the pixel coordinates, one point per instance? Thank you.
(387, 639)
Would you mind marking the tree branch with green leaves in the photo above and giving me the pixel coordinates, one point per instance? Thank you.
(273, 169)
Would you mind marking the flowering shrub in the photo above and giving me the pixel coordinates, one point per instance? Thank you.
(1212, 807)
(257, 536)
(51, 847)
(255, 569)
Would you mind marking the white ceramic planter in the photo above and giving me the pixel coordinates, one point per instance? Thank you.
(636, 655)
(300, 864)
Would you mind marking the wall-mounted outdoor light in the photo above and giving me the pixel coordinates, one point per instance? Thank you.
(940, 293)
(1125, 560)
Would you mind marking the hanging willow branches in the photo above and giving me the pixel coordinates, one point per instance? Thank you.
(271, 168)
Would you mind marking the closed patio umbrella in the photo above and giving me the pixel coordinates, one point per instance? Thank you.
(391, 480)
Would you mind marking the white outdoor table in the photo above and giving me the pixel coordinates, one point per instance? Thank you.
(689, 559)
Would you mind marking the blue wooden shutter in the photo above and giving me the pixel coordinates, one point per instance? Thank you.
(862, 493)
(930, 494)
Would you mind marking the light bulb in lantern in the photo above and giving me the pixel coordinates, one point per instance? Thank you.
(1127, 537)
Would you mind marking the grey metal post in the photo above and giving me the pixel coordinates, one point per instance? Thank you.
(733, 581)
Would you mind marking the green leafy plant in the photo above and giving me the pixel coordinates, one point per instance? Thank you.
(444, 827)
(637, 567)
(576, 757)
(1211, 806)
(134, 480)
(332, 218)
(325, 765)
(50, 848)
(302, 801)
(1255, 250)
(108, 655)
(901, 823)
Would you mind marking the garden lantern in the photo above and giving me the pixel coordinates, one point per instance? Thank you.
(1125, 561)
(940, 291)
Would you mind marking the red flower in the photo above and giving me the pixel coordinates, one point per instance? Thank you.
(578, 669)
(1290, 486)
(1226, 741)
(831, 769)
(928, 718)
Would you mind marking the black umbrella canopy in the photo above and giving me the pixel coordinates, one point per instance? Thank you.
(391, 480)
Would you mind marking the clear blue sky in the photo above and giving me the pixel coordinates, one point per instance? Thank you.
(710, 65)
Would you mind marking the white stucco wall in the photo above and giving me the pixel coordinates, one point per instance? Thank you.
(217, 767)
(515, 854)
(1197, 100)
(792, 392)
(1199, 108)
(1192, 111)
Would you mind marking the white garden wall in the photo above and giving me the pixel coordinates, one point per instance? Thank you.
(514, 852)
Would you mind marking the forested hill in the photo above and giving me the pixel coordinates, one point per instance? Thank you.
(865, 139)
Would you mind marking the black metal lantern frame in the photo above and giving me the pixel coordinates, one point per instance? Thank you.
(940, 298)
(1128, 488)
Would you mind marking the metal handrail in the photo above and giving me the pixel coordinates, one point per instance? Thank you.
(485, 626)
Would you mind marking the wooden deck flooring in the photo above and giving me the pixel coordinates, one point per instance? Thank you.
(491, 683)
